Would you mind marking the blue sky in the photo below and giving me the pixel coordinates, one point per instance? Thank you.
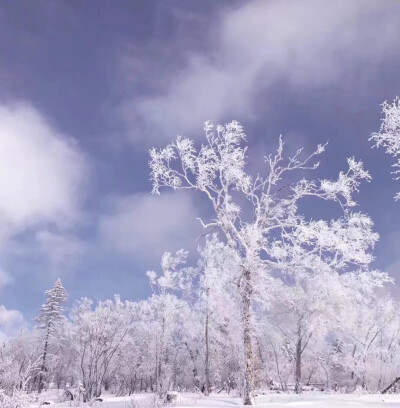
(86, 87)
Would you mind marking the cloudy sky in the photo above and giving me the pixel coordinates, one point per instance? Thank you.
(86, 87)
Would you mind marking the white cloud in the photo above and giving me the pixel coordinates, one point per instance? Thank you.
(5, 279)
(145, 226)
(63, 251)
(308, 42)
(42, 175)
(11, 322)
(41, 171)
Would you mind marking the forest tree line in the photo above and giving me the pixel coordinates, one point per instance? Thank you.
(276, 299)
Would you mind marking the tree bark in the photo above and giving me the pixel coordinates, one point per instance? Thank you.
(298, 387)
(277, 367)
(43, 367)
(353, 354)
(207, 355)
(193, 356)
(159, 368)
(248, 389)
(391, 385)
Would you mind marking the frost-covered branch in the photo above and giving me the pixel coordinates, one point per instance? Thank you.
(388, 136)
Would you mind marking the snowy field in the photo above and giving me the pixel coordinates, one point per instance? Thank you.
(296, 401)
(187, 400)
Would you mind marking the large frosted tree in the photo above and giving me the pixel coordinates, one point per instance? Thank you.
(49, 322)
(261, 232)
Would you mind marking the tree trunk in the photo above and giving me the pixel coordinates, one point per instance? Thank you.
(161, 360)
(248, 353)
(391, 385)
(207, 355)
(193, 356)
(277, 367)
(159, 367)
(298, 387)
(156, 373)
(353, 354)
(43, 367)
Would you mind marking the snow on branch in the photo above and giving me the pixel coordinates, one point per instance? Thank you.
(388, 136)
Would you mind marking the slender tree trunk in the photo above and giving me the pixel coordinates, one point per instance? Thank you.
(248, 389)
(277, 367)
(174, 384)
(207, 353)
(156, 373)
(391, 385)
(298, 387)
(353, 354)
(161, 356)
(43, 367)
(161, 360)
(193, 356)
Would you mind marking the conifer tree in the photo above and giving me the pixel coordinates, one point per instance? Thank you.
(49, 321)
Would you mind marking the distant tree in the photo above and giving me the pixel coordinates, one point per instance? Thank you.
(325, 266)
(17, 399)
(49, 322)
(19, 363)
(218, 302)
(98, 334)
(388, 136)
(166, 311)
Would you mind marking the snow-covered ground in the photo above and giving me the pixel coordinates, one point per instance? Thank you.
(302, 401)
(307, 400)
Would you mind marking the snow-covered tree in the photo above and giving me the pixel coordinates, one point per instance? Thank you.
(167, 310)
(174, 277)
(217, 169)
(17, 399)
(49, 322)
(369, 335)
(321, 263)
(218, 301)
(20, 363)
(98, 334)
(388, 136)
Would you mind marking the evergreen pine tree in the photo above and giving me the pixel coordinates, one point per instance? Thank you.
(49, 320)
